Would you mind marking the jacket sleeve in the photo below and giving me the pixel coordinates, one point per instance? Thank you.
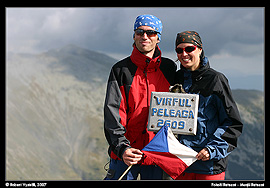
(115, 116)
(224, 139)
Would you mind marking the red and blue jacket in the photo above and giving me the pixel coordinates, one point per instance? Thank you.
(127, 102)
(219, 124)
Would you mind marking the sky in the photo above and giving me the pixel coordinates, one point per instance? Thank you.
(233, 38)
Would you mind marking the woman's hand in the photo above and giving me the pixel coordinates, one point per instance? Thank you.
(203, 155)
(132, 156)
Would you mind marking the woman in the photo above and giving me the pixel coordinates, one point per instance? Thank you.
(219, 123)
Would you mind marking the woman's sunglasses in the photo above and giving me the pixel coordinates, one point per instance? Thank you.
(187, 49)
(150, 33)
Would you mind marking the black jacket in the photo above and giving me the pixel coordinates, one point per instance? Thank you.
(219, 122)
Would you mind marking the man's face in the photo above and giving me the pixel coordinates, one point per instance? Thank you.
(146, 44)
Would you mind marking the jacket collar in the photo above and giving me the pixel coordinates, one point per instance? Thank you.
(144, 62)
(200, 71)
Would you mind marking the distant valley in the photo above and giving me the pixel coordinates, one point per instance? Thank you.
(54, 119)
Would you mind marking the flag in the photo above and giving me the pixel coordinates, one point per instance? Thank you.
(168, 153)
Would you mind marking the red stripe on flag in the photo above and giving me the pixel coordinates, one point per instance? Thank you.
(170, 163)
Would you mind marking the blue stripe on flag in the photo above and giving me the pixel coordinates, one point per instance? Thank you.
(160, 142)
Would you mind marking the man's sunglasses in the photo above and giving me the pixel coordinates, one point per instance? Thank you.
(150, 33)
(187, 49)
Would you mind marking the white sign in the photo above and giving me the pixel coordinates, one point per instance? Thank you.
(179, 111)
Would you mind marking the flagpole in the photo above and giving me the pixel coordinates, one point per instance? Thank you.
(125, 172)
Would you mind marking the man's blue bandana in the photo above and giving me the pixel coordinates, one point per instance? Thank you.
(149, 20)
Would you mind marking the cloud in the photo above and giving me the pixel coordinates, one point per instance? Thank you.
(242, 28)
(111, 28)
(218, 26)
(238, 32)
(94, 28)
(238, 65)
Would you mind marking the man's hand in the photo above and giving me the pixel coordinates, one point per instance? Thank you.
(132, 156)
(203, 155)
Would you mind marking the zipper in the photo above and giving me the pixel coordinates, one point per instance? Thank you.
(145, 73)
(147, 89)
(147, 92)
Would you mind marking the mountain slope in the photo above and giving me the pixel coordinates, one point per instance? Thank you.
(54, 128)
(54, 114)
(247, 161)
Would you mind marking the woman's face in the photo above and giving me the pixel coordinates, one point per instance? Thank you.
(190, 60)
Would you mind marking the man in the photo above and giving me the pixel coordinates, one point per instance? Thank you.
(127, 102)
